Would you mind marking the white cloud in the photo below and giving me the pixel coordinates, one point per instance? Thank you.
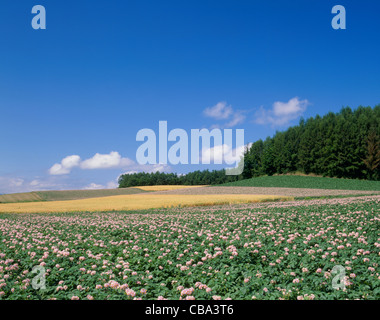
(292, 107)
(148, 168)
(16, 184)
(112, 185)
(65, 166)
(105, 161)
(130, 172)
(58, 182)
(282, 112)
(214, 154)
(222, 111)
(108, 185)
(34, 183)
(136, 169)
(159, 168)
(93, 186)
(237, 118)
(40, 184)
(98, 161)
(223, 154)
(10, 185)
(219, 112)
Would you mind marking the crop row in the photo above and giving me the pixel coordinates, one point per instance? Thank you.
(271, 251)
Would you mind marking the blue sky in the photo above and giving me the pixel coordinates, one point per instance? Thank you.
(102, 70)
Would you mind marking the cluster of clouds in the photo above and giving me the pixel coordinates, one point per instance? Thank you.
(58, 178)
(60, 181)
(150, 168)
(95, 186)
(114, 184)
(224, 112)
(224, 153)
(281, 113)
(16, 184)
(112, 160)
(98, 161)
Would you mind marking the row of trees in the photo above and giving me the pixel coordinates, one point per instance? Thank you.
(343, 145)
(205, 177)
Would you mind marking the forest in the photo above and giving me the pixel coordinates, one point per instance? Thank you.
(204, 177)
(343, 145)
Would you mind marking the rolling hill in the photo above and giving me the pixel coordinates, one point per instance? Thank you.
(39, 196)
(62, 195)
(290, 181)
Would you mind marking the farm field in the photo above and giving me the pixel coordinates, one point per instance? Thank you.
(291, 186)
(282, 250)
(20, 197)
(64, 195)
(309, 182)
(289, 192)
(165, 187)
(134, 202)
(80, 194)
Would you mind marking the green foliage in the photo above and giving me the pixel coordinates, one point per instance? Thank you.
(343, 145)
(286, 251)
(372, 160)
(205, 177)
(292, 181)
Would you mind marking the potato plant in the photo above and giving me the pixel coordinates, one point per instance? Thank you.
(265, 251)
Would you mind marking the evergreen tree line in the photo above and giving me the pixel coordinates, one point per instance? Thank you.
(344, 145)
(205, 177)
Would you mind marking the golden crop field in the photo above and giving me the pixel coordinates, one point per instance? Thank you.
(165, 187)
(133, 202)
(83, 194)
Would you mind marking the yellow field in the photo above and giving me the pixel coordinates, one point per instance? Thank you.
(133, 202)
(165, 187)
(61, 195)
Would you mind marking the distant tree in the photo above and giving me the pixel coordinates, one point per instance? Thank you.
(253, 160)
(268, 157)
(372, 161)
